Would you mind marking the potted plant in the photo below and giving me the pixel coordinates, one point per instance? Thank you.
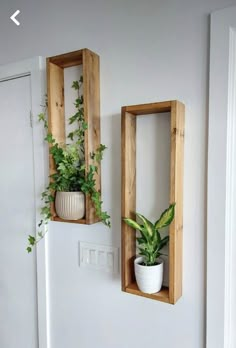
(70, 182)
(69, 200)
(148, 266)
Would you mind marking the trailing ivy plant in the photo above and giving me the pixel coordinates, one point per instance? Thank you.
(70, 174)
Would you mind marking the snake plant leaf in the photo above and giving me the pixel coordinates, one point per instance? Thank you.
(148, 226)
(132, 224)
(166, 217)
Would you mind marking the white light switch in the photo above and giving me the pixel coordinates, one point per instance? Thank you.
(85, 255)
(92, 257)
(100, 257)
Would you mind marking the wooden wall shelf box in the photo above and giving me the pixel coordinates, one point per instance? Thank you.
(56, 111)
(128, 149)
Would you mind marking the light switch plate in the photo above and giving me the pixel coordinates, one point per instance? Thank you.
(99, 257)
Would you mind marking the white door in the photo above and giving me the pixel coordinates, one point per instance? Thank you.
(221, 234)
(18, 296)
(23, 290)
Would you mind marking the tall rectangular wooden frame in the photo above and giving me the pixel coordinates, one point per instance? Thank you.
(128, 149)
(56, 112)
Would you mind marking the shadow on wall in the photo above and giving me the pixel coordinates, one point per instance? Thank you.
(115, 170)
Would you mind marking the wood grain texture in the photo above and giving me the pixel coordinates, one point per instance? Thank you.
(128, 199)
(56, 111)
(162, 295)
(91, 92)
(151, 108)
(128, 149)
(81, 221)
(68, 60)
(176, 195)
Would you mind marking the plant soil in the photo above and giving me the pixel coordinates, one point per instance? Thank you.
(155, 264)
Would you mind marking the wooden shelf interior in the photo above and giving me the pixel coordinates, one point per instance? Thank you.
(56, 112)
(162, 295)
(128, 207)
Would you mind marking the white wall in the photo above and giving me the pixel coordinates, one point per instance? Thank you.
(150, 50)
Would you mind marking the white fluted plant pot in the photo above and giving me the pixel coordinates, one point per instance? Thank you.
(70, 205)
(149, 278)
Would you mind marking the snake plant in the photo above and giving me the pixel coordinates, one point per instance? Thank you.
(150, 241)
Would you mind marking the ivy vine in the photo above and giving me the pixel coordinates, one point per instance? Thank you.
(70, 174)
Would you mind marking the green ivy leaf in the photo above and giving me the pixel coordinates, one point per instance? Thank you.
(71, 136)
(75, 85)
(85, 125)
(41, 117)
(49, 138)
(31, 240)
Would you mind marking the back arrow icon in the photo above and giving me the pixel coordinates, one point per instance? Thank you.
(13, 17)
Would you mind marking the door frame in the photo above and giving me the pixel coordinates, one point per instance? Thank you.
(221, 204)
(35, 69)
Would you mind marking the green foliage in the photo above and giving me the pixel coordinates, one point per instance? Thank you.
(71, 174)
(98, 155)
(165, 218)
(150, 242)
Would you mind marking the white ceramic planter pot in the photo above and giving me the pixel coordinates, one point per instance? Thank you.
(149, 278)
(70, 205)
